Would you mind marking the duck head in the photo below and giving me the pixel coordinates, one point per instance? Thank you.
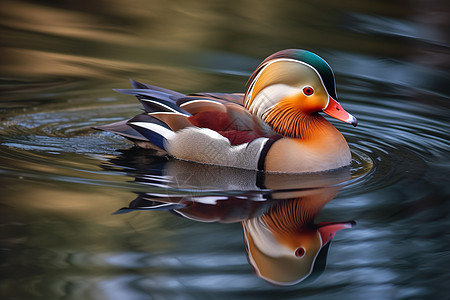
(289, 88)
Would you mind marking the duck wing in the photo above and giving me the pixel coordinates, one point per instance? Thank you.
(167, 110)
(239, 118)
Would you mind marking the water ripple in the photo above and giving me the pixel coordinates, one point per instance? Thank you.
(388, 142)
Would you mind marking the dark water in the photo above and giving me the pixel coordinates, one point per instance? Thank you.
(61, 181)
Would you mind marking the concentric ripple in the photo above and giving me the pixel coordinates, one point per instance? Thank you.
(387, 144)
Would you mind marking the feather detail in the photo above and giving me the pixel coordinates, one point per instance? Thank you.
(242, 119)
(175, 121)
(200, 105)
(237, 137)
(155, 133)
(151, 106)
(155, 100)
(236, 98)
(239, 116)
(214, 120)
(293, 123)
(154, 130)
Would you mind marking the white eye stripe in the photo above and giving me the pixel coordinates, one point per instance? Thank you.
(268, 97)
(252, 84)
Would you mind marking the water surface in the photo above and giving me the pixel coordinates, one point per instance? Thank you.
(61, 182)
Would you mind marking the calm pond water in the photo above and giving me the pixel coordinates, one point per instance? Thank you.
(185, 229)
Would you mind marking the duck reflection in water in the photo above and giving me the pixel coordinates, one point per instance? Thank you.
(277, 212)
(284, 245)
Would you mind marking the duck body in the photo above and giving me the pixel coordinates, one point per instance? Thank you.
(291, 155)
(274, 127)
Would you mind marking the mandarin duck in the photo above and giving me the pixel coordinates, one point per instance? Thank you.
(274, 127)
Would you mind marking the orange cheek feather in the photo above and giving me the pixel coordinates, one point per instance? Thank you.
(296, 116)
(305, 104)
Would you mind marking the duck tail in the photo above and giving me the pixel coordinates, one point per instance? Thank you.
(144, 130)
(151, 128)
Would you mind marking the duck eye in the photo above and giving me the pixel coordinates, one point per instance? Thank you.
(308, 91)
(300, 252)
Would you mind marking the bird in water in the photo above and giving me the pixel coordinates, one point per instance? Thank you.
(275, 126)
